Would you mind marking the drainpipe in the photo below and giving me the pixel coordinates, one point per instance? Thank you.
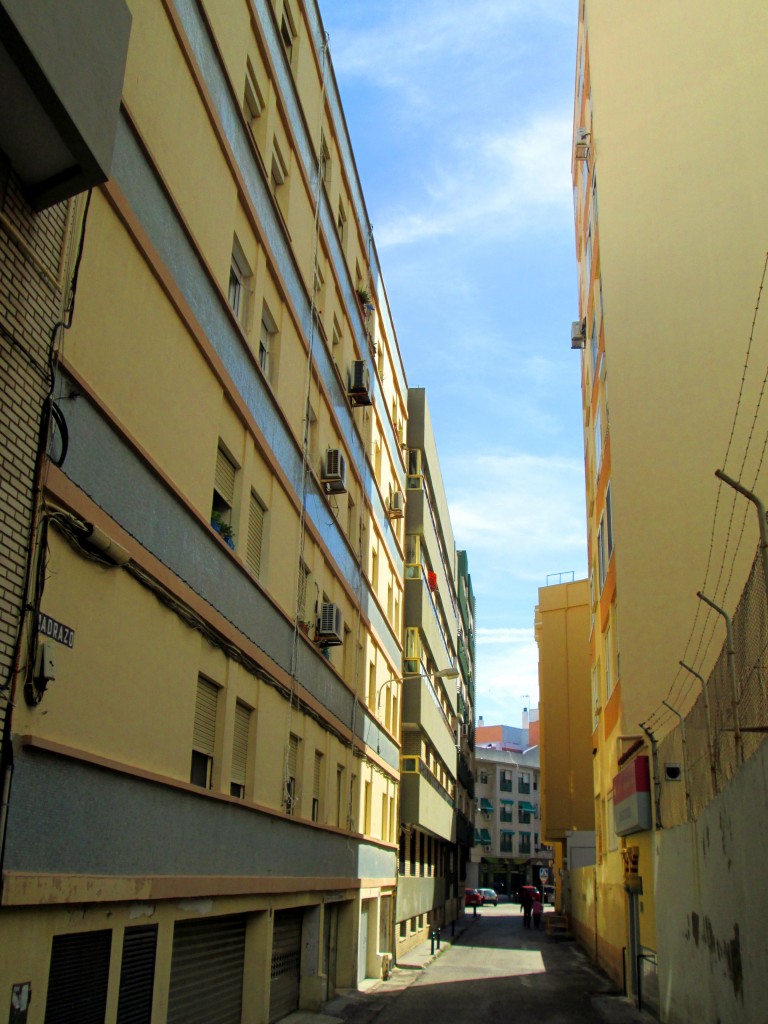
(731, 671)
(707, 713)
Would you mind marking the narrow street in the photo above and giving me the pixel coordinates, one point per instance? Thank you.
(496, 970)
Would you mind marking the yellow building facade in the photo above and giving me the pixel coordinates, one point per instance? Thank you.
(561, 627)
(205, 796)
(671, 246)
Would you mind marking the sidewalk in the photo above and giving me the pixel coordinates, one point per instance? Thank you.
(421, 956)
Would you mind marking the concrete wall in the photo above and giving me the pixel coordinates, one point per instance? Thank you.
(712, 891)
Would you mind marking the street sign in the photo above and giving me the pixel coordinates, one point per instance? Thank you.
(543, 874)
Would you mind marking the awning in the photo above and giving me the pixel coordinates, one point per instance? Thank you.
(507, 831)
(478, 837)
(485, 837)
(486, 806)
(505, 801)
(525, 806)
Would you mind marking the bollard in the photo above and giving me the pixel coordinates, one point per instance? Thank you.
(438, 939)
(432, 937)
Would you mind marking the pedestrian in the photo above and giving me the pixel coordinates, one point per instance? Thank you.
(527, 904)
(536, 911)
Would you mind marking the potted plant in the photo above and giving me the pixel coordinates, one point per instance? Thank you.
(223, 528)
(363, 297)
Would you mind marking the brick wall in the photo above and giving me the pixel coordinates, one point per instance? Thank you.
(32, 250)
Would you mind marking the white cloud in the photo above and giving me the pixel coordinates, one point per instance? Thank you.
(491, 185)
(507, 674)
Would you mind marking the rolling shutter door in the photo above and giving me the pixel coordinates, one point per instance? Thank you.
(137, 975)
(286, 964)
(78, 978)
(207, 971)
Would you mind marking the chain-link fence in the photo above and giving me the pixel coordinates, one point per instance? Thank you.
(729, 719)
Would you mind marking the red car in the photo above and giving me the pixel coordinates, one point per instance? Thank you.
(473, 898)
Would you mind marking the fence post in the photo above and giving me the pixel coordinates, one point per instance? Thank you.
(760, 518)
(685, 760)
(710, 746)
(731, 671)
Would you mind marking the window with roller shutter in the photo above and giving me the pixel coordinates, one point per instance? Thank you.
(256, 517)
(240, 750)
(204, 733)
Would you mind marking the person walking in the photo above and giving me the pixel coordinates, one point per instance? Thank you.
(527, 905)
(536, 910)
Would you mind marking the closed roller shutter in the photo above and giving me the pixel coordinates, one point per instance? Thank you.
(286, 964)
(204, 735)
(207, 971)
(240, 744)
(78, 978)
(137, 975)
(224, 480)
(255, 535)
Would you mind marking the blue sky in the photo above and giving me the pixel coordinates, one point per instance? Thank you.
(460, 120)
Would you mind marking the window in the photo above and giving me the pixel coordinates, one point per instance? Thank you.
(367, 809)
(505, 783)
(507, 839)
(505, 813)
(223, 495)
(204, 733)
(595, 696)
(341, 222)
(268, 344)
(523, 816)
(374, 567)
(292, 769)
(304, 575)
(593, 347)
(525, 842)
(524, 782)
(240, 750)
(288, 33)
(602, 556)
(484, 777)
(336, 348)
(317, 785)
(608, 519)
(256, 516)
(326, 166)
(340, 816)
(598, 441)
(278, 169)
(609, 680)
(239, 283)
(253, 98)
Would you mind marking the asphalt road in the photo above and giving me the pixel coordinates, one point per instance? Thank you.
(499, 971)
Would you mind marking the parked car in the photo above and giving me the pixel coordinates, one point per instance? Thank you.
(489, 896)
(473, 898)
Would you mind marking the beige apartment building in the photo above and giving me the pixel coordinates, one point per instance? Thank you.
(203, 817)
(435, 807)
(670, 203)
(567, 803)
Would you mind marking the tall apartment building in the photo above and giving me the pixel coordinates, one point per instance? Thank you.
(429, 892)
(671, 242)
(207, 762)
(509, 847)
(567, 800)
(465, 685)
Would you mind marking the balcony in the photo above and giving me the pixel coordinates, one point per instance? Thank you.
(61, 77)
(424, 801)
(422, 711)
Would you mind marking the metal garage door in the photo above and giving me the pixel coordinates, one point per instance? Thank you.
(286, 964)
(78, 978)
(207, 971)
(137, 975)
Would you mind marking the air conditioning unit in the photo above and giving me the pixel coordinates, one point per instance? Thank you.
(581, 147)
(334, 475)
(578, 334)
(359, 383)
(397, 505)
(329, 630)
